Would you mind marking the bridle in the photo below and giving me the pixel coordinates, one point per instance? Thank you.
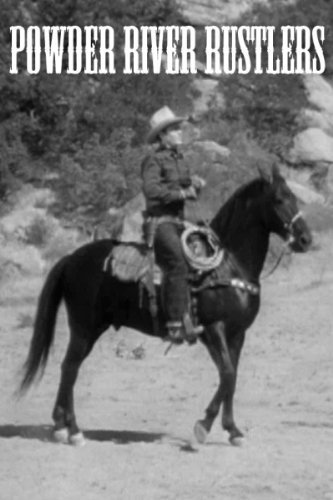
(289, 228)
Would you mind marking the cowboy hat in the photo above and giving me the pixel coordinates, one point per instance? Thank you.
(162, 119)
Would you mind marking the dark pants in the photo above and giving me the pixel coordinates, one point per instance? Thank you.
(170, 257)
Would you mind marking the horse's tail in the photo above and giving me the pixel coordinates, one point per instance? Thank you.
(44, 327)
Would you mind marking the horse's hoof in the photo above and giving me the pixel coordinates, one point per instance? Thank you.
(77, 439)
(61, 435)
(200, 432)
(236, 440)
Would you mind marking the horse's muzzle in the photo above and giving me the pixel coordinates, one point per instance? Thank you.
(301, 242)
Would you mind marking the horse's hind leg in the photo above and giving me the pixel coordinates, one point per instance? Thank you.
(63, 415)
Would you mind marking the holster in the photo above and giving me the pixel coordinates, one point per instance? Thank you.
(149, 229)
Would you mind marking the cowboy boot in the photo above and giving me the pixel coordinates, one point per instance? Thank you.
(191, 331)
(179, 331)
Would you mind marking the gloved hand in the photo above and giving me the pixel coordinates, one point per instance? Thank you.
(189, 193)
(198, 182)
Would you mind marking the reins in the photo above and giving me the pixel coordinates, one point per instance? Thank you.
(286, 244)
(277, 263)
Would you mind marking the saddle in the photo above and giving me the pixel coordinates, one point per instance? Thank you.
(131, 261)
(135, 262)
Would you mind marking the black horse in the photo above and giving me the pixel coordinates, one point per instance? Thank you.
(95, 300)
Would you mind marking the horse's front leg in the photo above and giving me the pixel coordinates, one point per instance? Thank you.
(235, 344)
(216, 342)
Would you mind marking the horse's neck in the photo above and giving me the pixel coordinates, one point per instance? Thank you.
(247, 242)
(249, 249)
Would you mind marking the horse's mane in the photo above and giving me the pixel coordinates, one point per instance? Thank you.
(230, 216)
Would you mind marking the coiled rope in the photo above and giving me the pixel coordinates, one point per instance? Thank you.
(203, 263)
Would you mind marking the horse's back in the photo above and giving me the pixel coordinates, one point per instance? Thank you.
(94, 250)
(83, 275)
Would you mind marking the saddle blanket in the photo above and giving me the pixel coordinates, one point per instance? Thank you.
(131, 262)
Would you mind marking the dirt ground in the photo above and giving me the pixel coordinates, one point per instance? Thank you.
(138, 411)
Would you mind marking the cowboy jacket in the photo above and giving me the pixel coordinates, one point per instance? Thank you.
(165, 174)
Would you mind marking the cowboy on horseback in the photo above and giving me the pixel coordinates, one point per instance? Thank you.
(167, 184)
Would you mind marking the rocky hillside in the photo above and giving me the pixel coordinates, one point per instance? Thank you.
(286, 118)
(82, 138)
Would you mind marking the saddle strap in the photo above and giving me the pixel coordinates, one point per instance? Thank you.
(246, 286)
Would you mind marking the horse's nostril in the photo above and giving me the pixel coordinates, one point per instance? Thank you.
(305, 241)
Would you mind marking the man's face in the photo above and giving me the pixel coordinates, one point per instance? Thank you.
(172, 136)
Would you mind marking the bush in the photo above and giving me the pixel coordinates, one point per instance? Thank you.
(38, 232)
(87, 128)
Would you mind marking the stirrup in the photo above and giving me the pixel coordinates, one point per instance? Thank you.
(176, 332)
(192, 337)
(192, 331)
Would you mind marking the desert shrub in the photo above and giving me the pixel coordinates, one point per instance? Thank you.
(87, 128)
(61, 243)
(91, 181)
(38, 232)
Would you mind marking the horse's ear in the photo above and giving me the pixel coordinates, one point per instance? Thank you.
(265, 174)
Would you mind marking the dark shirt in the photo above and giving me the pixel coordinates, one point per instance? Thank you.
(164, 175)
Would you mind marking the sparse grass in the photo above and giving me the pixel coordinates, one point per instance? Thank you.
(124, 350)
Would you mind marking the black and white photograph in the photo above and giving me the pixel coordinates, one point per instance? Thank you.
(166, 249)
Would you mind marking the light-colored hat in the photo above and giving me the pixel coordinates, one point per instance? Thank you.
(160, 120)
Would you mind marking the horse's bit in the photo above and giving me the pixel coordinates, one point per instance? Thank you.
(289, 227)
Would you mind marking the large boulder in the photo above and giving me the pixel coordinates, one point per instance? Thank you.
(320, 95)
(312, 145)
(313, 118)
(319, 92)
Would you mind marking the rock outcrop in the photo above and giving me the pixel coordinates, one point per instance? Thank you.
(217, 12)
(313, 146)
